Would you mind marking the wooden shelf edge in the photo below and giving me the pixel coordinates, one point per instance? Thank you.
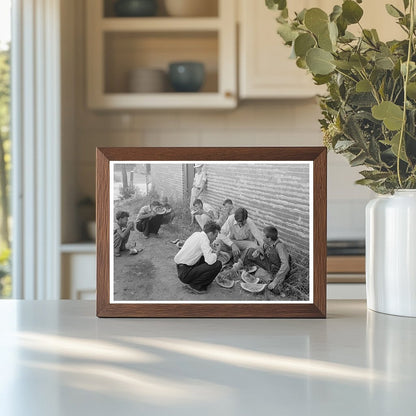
(126, 101)
(81, 247)
(160, 24)
(346, 264)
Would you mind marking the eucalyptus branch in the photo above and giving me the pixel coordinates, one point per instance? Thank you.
(373, 88)
(346, 75)
(406, 79)
(392, 91)
(397, 95)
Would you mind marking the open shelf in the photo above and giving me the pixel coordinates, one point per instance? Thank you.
(116, 46)
(127, 51)
(160, 24)
(209, 9)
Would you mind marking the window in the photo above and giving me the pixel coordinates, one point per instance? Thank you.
(5, 147)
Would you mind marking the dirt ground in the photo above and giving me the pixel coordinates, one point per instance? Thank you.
(151, 274)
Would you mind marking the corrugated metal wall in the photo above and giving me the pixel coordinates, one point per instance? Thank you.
(273, 194)
(167, 180)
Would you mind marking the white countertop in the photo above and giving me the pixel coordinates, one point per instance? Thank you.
(57, 358)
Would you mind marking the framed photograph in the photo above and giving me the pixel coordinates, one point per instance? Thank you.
(211, 232)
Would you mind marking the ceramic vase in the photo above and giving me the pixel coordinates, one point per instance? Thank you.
(391, 253)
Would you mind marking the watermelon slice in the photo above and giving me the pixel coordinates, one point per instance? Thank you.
(248, 278)
(253, 287)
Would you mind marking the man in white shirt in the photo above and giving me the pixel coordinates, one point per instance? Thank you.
(240, 233)
(202, 213)
(197, 264)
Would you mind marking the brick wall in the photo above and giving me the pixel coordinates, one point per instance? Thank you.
(274, 194)
(167, 180)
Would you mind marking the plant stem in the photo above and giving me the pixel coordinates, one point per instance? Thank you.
(373, 88)
(405, 81)
(346, 75)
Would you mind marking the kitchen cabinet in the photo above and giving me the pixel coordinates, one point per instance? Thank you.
(78, 263)
(265, 70)
(118, 45)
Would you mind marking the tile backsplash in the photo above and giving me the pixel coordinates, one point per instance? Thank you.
(257, 123)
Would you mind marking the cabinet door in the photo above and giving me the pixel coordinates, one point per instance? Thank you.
(78, 276)
(265, 68)
(266, 71)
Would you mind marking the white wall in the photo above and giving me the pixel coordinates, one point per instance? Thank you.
(253, 123)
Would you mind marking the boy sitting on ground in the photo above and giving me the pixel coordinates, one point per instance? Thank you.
(122, 230)
(239, 233)
(272, 257)
(226, 210)
(202, 213)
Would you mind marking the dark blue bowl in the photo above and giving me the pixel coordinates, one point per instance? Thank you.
(186, 76)
(135, 8)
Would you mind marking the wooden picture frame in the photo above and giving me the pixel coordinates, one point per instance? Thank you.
(262, 159)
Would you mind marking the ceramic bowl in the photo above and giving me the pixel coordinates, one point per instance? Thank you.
(186, 76)
(147, 80)
(135, 8)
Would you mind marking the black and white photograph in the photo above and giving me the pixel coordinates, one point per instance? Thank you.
(211, 232)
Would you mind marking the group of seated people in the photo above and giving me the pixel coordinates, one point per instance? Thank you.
(203, 212)
(227, 235)
(204, 253)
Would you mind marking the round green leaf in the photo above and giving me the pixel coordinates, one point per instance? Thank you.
(411, 90)
(303, 43)
(344, 65)
(325, 42)
(316, 20)
(301, 15)
(393, 11)
(276, 4)
(351, 11)
(358, 61)
(342, 25)
(363, 86)
(322, 79)
(336, 12)
(287, 33)
(391, 114)
(301, 63)
(394, 143)
(333, 32)
(384, 62)
(319, 61)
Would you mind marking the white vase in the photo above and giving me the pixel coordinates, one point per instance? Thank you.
(391, 253)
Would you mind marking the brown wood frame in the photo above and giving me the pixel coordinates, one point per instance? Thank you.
(317, 309)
